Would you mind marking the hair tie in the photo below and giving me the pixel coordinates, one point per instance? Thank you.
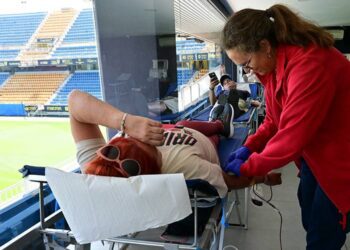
(269, 15)
(122, 124)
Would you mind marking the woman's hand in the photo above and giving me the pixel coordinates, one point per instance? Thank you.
(273, 179)
(144, 129)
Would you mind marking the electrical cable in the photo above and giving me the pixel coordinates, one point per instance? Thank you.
(232, 246)
(274, 208)
(269, 199)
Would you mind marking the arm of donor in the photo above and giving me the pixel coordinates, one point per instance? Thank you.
(87, 109)
(237, 182)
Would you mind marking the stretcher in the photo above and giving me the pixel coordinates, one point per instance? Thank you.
(201, 194)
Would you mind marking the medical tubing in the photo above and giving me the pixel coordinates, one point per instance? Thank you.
(274, 208)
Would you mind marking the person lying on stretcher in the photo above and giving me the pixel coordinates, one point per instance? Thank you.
(189, 147)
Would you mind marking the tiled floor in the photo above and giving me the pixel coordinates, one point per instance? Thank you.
(264, 222)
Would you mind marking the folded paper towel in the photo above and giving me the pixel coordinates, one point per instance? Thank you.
(99, 207)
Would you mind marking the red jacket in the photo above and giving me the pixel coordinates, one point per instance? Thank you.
(307, 115)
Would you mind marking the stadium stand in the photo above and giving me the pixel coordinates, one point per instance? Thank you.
(184, 75)
(10, 54)
(3, 77)
(75, 52)
(188, 46)
(88, 81)
(31, 88)
(57, 23)
(69, 34)
(53, 28)
(16, 29)
(63, 34)
(83, 30)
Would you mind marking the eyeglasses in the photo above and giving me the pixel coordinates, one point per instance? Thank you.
(246, 66)
(128, 167)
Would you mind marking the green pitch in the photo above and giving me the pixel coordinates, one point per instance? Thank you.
(40, 143)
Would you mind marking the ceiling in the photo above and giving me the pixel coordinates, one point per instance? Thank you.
(321, 12)
(201, 18)
(198, 18)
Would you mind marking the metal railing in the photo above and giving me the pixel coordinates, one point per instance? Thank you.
(16, 191)
(12, 193)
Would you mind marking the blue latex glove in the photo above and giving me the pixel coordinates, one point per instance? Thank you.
(241, 153)
(234, 166)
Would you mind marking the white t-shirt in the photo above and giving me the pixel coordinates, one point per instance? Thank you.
(194, 155)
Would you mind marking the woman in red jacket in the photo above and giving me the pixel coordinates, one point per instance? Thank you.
(307, 111)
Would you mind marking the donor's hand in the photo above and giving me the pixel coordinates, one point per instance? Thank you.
(273, 179)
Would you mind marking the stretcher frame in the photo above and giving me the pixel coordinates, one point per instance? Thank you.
(213, 229)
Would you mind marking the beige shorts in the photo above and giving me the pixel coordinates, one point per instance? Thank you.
(86, 150)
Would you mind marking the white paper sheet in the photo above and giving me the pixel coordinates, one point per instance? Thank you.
(98, 207)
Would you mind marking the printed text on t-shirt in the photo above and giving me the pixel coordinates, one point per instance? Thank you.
(174, 138)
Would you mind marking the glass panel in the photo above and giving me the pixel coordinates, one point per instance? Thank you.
(137, 55)
(47, 48)
(198, 27)
(195, 59)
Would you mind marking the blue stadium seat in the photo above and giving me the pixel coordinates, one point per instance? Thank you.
(75, 52)
(3, 77)
(16, 29)
(10, 54)
(83, 29)
(184, 75)
(88, 81)
(188, 47)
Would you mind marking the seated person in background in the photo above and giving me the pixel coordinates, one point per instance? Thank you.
(191, 151)
(238, 99)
